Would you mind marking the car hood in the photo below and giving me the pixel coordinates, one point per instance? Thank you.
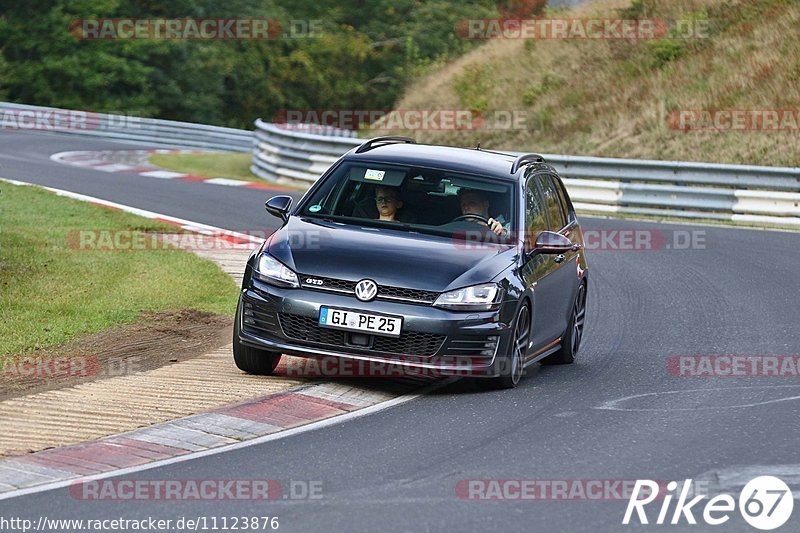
(390, 257)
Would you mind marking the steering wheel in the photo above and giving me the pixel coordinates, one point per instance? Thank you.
(473, 216)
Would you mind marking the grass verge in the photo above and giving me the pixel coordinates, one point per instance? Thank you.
(625, 98)
(219, 165)
(52, 292)
(212, 165)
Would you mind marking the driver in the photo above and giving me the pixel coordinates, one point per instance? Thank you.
(475, 203)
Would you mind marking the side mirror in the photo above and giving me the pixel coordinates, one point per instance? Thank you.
(549, 242)
(278, 206)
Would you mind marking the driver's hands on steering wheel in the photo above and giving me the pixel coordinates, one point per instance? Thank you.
(496, 227)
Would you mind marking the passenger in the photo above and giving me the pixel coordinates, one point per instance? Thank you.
(475, 203)
(388, 201)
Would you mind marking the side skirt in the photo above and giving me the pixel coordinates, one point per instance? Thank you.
(544, 352)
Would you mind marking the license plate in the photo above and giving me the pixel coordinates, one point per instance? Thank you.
(389, 326)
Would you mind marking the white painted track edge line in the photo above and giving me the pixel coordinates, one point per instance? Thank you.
(59, 157)
(681, 222)
(187, 224)
(319, 424)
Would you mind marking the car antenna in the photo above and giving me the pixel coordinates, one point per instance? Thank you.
(479, 146)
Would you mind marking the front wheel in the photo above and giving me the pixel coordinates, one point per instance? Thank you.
(252, 360)
(514, 364)
(571, 340)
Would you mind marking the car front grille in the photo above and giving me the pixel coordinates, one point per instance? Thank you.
(306, 329)
(328, 284)
(385, 292)
(401, 293)
(411, 343)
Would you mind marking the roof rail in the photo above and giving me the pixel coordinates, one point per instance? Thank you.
(391, 139)
(525, 160)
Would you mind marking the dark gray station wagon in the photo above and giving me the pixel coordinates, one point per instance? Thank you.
(441, 260)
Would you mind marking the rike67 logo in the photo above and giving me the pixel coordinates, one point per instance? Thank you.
(765, 503)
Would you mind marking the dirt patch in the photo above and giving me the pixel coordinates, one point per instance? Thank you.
(158, 339)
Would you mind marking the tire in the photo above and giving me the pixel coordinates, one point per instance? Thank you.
(571, 340)
(513, 365)
(252, 360)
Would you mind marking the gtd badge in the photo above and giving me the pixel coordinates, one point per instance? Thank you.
(366, 290)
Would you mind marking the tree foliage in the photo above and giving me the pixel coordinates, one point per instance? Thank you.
(365, 54)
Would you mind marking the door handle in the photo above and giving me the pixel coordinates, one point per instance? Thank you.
(560, 258)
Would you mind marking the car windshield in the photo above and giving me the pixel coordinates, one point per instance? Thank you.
(423, 200)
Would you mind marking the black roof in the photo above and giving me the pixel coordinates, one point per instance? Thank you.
(466, 160)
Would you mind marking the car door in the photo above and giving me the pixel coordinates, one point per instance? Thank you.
(538, 268)
(572, 231)
(563, 276)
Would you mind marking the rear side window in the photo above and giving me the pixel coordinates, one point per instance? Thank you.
(552, 204)
(535, 220)
(562, 197)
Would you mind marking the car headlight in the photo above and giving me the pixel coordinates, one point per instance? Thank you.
(274, 272)
(476, 298)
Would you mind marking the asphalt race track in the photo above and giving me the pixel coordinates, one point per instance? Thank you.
(736, 292)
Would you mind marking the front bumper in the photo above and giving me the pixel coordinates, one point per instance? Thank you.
(433, 341)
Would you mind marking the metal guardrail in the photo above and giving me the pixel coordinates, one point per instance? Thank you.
(767, 195)
(132, 130)
(280, 153)
(762, 195)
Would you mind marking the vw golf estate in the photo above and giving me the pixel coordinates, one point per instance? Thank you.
(452, 260)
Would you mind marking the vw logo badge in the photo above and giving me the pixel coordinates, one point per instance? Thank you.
(366, 290)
